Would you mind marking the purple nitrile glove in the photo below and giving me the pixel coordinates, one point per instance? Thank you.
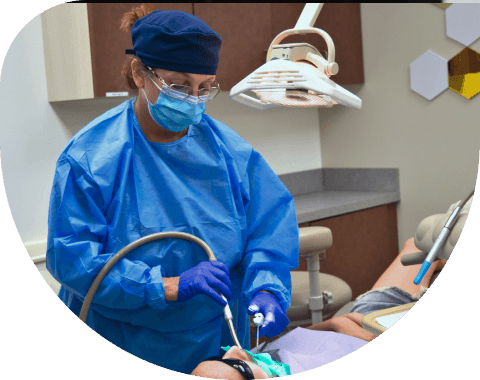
(275, 321)
(207, 277)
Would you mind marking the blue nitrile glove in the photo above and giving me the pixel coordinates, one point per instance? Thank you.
(275, 321)
(208, 277)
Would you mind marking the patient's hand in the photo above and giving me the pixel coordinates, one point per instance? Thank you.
(348, 324)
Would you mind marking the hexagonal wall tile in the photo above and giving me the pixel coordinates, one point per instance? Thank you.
(464, 73)
(429, 75)
(463, 22)
(442, 5)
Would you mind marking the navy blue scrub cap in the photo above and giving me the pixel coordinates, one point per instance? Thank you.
(176, 41)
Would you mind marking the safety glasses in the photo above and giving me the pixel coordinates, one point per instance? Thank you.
(185, 91)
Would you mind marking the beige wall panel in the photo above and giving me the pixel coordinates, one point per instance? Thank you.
(68, 63)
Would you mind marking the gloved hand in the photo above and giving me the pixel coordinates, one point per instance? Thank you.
(208, 277)
(275, 320)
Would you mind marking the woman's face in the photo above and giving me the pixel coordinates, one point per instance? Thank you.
(145, 82)
(218, 370)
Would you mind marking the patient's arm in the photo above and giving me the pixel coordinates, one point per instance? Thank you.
(348, 324)
(395, 275)
(402, 276)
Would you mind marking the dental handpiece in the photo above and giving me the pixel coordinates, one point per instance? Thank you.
(229, 318)
(258, 321)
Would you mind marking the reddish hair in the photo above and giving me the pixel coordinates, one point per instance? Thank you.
(126, 25)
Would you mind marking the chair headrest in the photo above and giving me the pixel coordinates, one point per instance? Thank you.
(429, 229)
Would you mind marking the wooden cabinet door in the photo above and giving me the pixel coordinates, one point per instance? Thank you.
(108, 42)
(246, 32)
(341, 21)
(365, 243)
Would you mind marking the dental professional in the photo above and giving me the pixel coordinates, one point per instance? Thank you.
(158, 163)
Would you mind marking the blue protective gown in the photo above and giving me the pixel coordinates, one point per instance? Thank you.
(112, 186)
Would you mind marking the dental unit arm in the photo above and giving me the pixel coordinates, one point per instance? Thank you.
(436, 251)
(144, 240)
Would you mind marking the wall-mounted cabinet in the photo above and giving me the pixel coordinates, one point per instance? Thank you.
(85, 48)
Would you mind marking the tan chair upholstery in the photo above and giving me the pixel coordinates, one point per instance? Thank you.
(308, 288)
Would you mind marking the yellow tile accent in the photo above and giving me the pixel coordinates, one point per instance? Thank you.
(467, 85)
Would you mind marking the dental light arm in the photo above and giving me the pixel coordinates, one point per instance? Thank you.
(309, 15)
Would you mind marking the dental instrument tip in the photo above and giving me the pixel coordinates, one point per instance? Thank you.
(421, 273)
(258, 335)
(264, 345)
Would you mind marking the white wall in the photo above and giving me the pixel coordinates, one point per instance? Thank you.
(434, 143)
(34, 132)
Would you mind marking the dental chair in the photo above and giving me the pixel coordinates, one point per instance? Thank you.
(425, 235)
(315, 295)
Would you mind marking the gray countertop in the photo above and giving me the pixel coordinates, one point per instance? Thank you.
(329, 192)
(325, 204)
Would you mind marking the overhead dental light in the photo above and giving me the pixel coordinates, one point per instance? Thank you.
(296, 75)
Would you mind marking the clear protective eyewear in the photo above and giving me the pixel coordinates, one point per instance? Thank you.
(182, 92)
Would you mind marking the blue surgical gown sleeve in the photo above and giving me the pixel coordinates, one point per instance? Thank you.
(77, 235)
(271, 250)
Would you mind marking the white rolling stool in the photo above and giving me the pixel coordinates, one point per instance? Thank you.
(315, 295)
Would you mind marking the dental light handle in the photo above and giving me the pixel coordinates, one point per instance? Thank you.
(440, 241)
(305, 25)
(331, 68)
(137, 243)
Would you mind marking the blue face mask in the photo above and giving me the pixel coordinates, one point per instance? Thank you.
(174, 113)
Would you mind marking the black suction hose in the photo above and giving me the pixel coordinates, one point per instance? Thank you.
(137, 243)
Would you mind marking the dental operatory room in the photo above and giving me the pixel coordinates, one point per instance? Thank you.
(240, 190)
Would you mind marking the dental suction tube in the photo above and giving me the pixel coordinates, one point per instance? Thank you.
(137, 243)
